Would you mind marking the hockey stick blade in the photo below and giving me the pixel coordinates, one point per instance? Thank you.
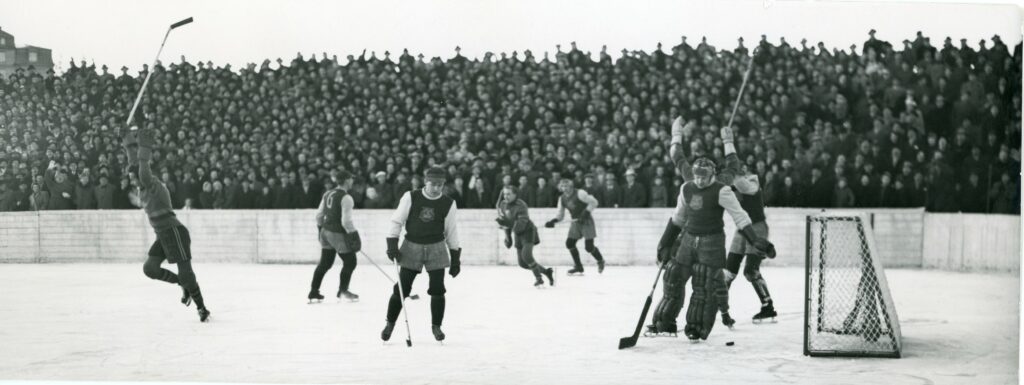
(181, 23)
(628, 342)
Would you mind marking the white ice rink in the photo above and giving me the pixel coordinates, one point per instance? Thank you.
(108, 322)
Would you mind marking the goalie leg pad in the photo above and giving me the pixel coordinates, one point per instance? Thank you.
(674, 292)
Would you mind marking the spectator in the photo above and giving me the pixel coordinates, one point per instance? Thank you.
(659, 194)
(973, 198)
(85, 197)
(39, 199)
(843, 196)
(207, 197)
(790, 195)
(634, 194)
(479, 197)
(104, 193)
(122, 200)
(546, 194)
(385, 191)
(265, 200)
(60, 189)
(887, 194)
(612, 194)
(22, 201)
(1001, 195)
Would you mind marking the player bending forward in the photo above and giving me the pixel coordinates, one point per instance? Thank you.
(701, 253)
(514, 217)
(337, 235)
(580, 205)
(752, 200)
(430, 235)
(172, 239)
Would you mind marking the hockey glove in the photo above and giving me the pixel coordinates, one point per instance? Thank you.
(353, 242)
(550, 224)
(393, 253)
(146, 138)
(456, 263)
(762, 245)
(130, 139)
(504, 222)
(508, 242)
(668, 238)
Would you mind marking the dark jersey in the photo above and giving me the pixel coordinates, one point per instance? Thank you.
(573, 204)
(703, 211)
(426, 221)
(332, 210)
(753, 204)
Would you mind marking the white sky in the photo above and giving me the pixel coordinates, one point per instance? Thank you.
(123, 32)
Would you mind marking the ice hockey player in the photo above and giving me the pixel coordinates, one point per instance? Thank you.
(431, 243)
(751, 199)
(337, 235)
(701, 253)
(514, 218)
(172, 239)
(580, 206)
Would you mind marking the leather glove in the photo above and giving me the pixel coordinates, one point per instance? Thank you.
(393, 253)
(762, 245)
(353, 241)
(456, 263)
(130, 139)
(146, 138)
(503, 221)
(550, 224)
(668, 238)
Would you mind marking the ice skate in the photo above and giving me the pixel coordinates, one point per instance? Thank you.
(350, 296)
(600, 266)
(550, 274)
(204, 314)
(315, 296)
(661, 330)
(575, 271)
(186, 298)
(728, 321)
(386, 333)
(438, 334)
(767, 313)
(539, 284)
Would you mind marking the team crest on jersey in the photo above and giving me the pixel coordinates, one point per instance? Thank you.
(427, 214)
(697, 202)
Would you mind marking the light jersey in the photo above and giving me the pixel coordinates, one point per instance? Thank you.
(426, 221)
(332, 210)
(156, 202)
(573, 203)
(703, 211)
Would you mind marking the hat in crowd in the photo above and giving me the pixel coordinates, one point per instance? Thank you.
(436, 174)
(630, 172)
(380, 174)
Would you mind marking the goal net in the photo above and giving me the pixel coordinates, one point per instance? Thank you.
(848, 308)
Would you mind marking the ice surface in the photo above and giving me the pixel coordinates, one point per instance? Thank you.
(108, 322)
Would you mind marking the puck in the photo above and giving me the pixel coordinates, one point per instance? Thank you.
(730, 343)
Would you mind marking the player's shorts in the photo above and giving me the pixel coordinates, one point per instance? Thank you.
(172, 244)
(431, 256)
(525, 254)
(583, 229)
(707, 250)
(740, 244)
(332, 240)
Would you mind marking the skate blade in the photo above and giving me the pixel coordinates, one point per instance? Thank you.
(314, 301)
(766, 320)
(574, 274)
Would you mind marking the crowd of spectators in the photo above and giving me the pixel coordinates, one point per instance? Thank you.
(869, 126)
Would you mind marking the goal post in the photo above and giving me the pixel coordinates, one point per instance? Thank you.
(848, 309)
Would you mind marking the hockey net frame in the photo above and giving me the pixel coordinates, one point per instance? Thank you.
(848, 308)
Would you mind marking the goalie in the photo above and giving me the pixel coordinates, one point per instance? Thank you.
(701, 253)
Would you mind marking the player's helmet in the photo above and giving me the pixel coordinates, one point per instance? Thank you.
(703, 172)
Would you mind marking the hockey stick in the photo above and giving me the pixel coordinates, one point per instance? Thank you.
(131, 115)
(408, 333)
(746, 76)
(413, 296)
(628, 342)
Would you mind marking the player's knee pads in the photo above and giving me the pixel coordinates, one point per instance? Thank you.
(570, 243)
(753, 274)
(151, 270)
(436, 287)
(733, 261)
(588, 245)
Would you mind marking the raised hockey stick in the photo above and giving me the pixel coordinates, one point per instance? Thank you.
(628, 342)
(413, 296)
(405, 312)
(746, 76)
(138, 98)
